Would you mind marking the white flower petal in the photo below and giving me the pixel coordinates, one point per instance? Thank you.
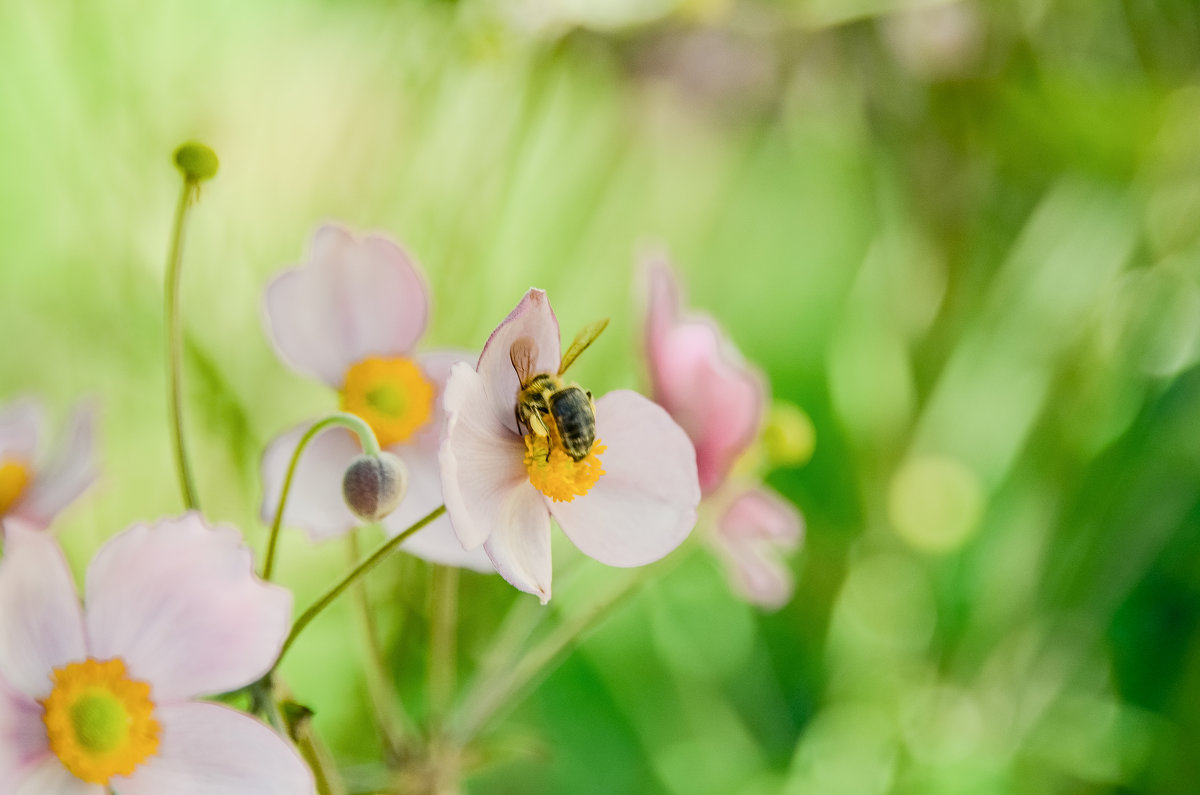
(315, 502)
(49, 777)
(22, 423)
(532, 318)
(64, 478)
(482, 461)
(436, 366)
(179, 602)
(436, 541)
(354, 299)
(23, 742)
(210, 749)
(519, 547)
(645, 504)
(41, 627)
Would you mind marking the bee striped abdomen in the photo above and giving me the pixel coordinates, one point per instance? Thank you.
(572, 411)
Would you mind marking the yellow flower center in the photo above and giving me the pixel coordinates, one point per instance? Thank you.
(14, 477)
(554, 473)
(393, 396)
(100, 722)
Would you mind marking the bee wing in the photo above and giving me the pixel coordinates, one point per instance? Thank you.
(582, 340)
(523, 354)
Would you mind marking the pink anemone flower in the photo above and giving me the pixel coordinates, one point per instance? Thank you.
(351, 317)
(102, 697)
(628, 502)
(700, 378)
(36, 484)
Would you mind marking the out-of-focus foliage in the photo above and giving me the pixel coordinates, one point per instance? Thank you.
(964, 237)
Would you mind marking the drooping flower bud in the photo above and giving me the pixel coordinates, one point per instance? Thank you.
(374, 485)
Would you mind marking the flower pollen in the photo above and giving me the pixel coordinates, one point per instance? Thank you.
(14, 477)
(392, 395)
(554, 473)
(100, 723)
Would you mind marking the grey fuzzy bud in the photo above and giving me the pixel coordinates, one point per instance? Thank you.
(374, 485)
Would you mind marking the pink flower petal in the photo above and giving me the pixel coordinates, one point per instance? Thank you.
(482, 460)
(23, 742)
(22, 423)
(315, 503)
(532, 318)
(64, 478)
(436, 366)
(210, 749)
(645, 504)
(436, 541)
(49, 777)
(519, 546)
(179, 602)
(700, 378)
(41, 627)
(752, 533)
(354, 298)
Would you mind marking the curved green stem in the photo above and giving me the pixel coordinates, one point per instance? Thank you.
(175, 343)
(442, 642)
(358, 571)
(370, 445)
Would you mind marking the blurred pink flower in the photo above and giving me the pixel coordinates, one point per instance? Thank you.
(629, 502)
(701, 379)
(753, 532)
(34, 483)
(103, 697)
(351, 317)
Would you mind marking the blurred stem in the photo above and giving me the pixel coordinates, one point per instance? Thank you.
(492, 695)
(355, 574)
(385, 701)
(366, 438)
(174, 317)
(442, 643)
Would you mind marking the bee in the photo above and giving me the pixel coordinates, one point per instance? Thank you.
(546, 405)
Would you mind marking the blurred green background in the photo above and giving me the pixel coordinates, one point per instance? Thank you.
(964, 237)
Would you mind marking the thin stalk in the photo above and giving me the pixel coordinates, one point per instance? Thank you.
(359, 571)
(443, 642)
(174, 320)
(385, 701)
(488, 698)
(366, 438)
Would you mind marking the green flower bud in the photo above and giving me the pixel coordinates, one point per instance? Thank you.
(374, 485)
(196, 161)
(789, 436)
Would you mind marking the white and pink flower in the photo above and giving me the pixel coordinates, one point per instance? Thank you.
(351, 317)
(698, 375)
(36, 481)
(629, 502)
(103, 696)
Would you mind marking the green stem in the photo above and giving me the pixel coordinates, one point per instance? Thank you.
(370, 445)
(385, 701)
(175, 343)
(360, 570)
(442, 642)
(490, 696)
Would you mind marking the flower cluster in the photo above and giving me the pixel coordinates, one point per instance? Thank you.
(463, 460)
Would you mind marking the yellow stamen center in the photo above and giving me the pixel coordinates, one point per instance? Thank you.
(14, 477)
(99, 721)
(393, 396)
(554, 473)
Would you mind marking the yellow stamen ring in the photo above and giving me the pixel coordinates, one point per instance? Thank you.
(14, 478)
(557, 475)
(393, 396)
(100, 723)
